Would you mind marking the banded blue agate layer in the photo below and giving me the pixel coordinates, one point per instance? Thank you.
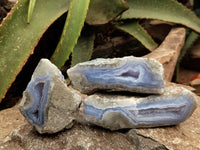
(118, 112)
(47, 103)
(38, 89)
(132, 74)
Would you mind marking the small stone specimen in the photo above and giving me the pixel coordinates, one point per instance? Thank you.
(118, 112)
(143, 75)
(47, 103)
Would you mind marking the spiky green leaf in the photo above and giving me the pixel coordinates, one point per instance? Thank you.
(192, 37)
(30, 10)
(136, 30)
(167, 10)
(71, 32)
(101, 12)
(18, 39)
(83, 49)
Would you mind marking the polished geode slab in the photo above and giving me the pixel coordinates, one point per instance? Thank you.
(143, 75)
(47, 103)
(119, 112)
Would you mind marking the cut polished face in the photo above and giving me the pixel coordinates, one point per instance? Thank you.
(118, 112)
(119, 74)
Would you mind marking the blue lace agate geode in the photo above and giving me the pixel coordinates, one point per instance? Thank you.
(47, 103)
(118, 112)
(132, 74)
(38, 89)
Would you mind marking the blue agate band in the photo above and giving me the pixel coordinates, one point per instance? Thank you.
(170, 111)
(38, 89)
(128, 74)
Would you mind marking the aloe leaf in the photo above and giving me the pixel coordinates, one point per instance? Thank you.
(30, 10)
(192, 37)
(101, 12)
(83, 49)
(72, 29)
(167, 10)
(136, 30)
(18, 39)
